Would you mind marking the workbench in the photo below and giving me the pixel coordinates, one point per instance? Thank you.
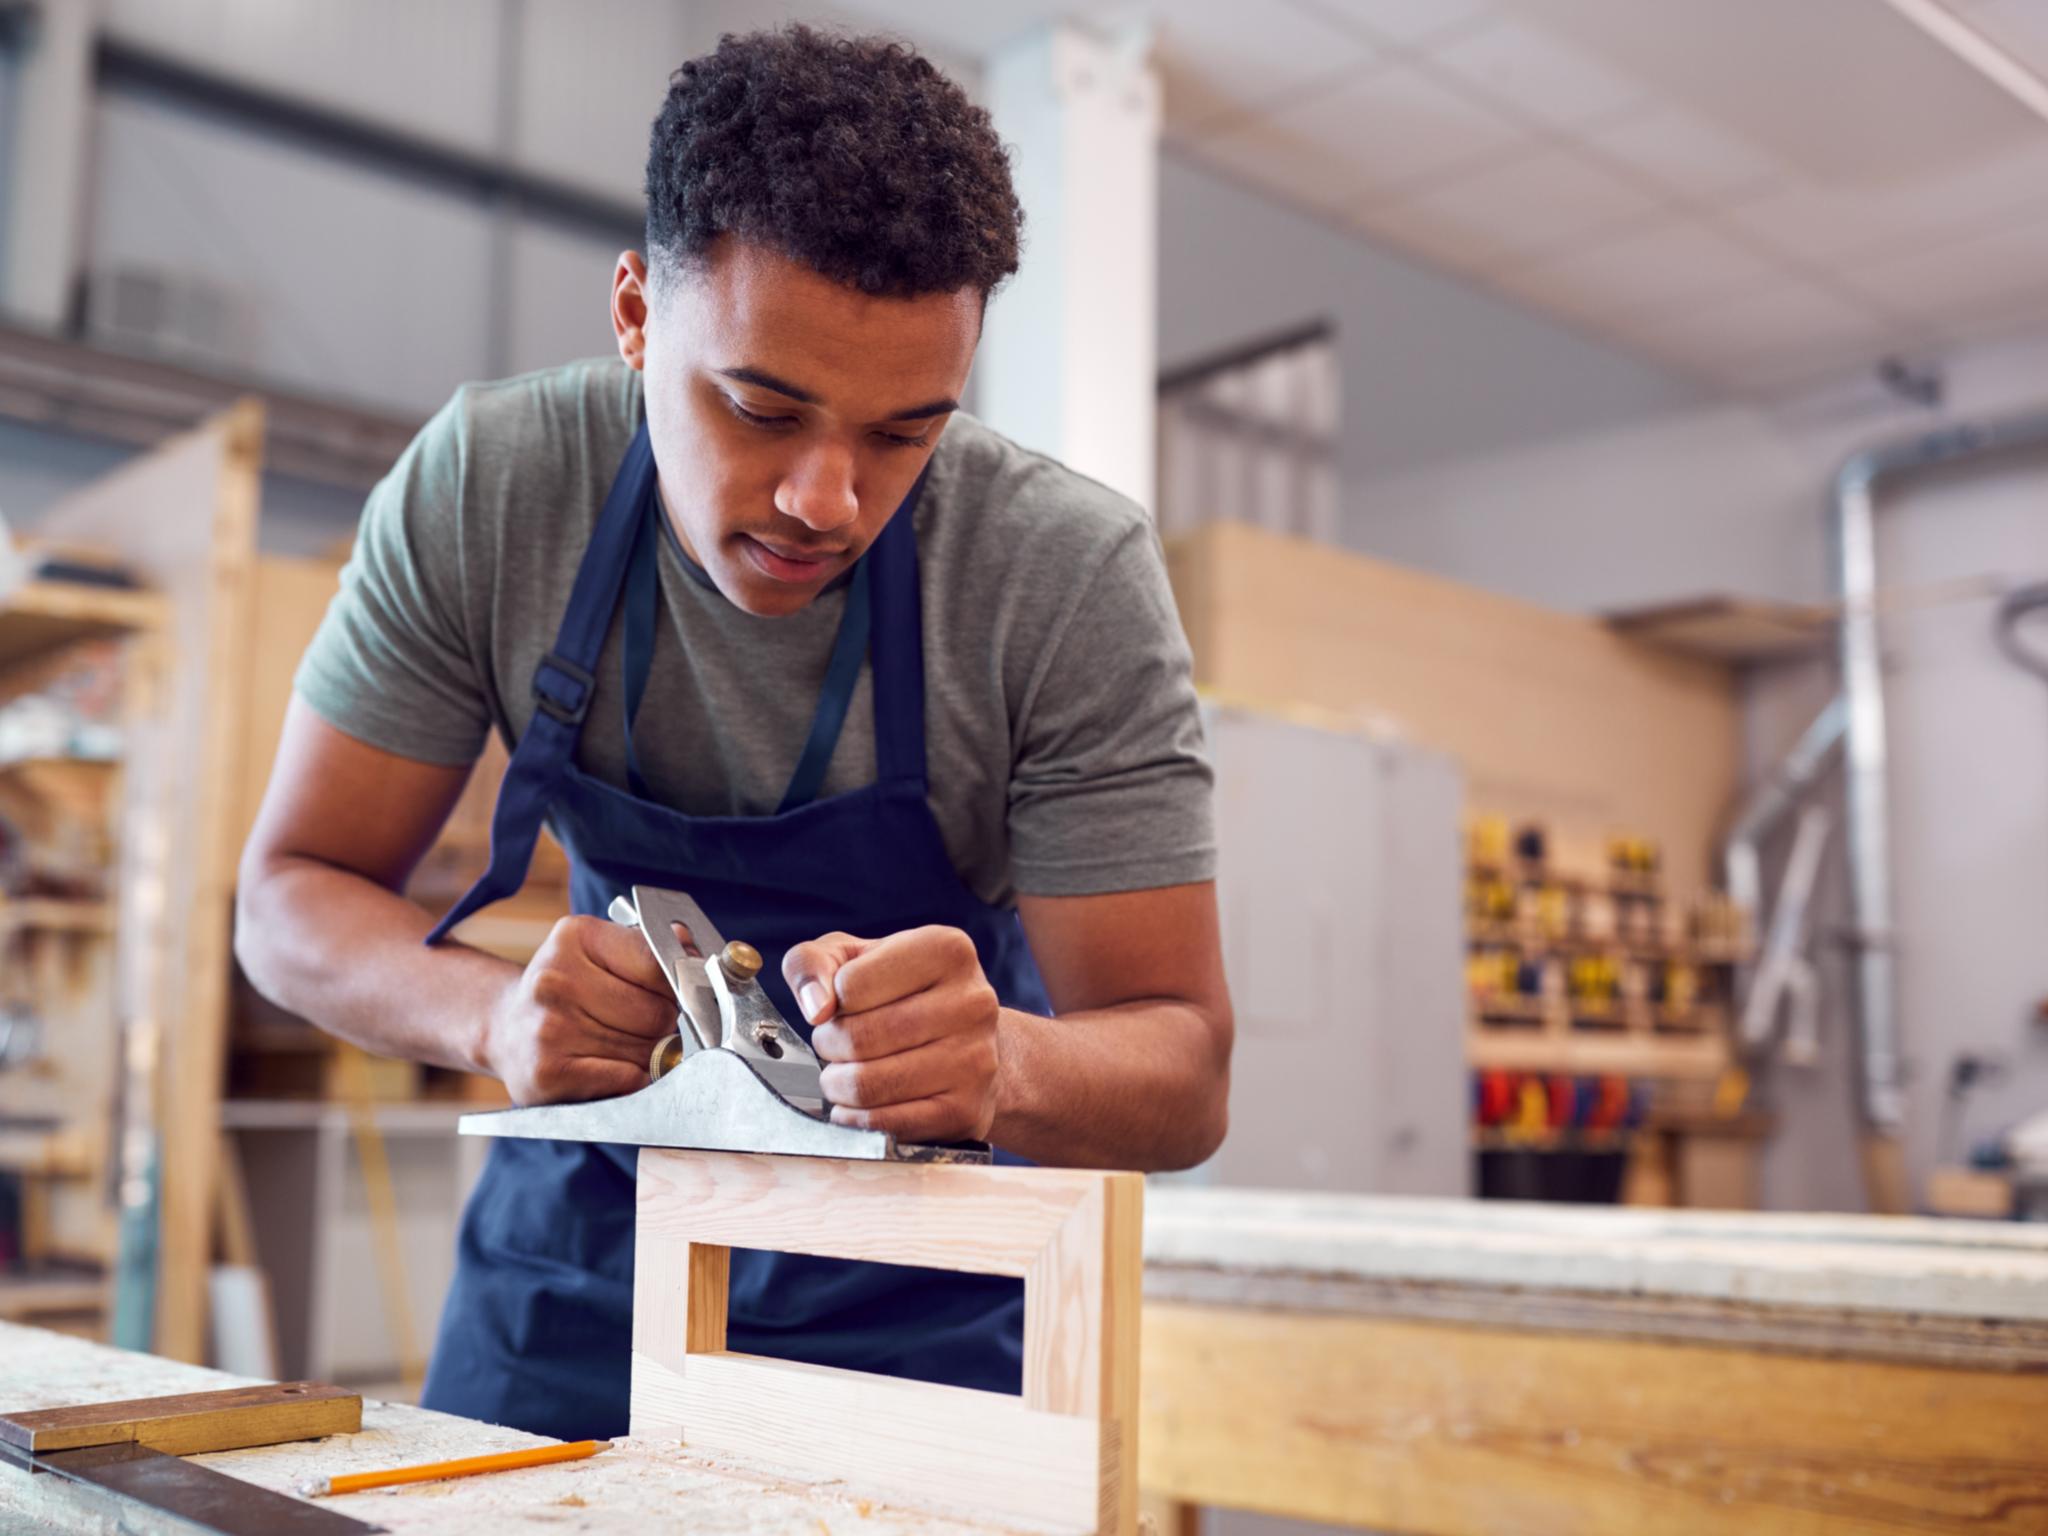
(1461, 1368)
(637, 1487)
(1447, 1368)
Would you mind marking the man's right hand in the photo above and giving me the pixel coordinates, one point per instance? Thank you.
(583, 1018)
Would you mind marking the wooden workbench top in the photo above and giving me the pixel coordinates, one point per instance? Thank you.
(1884, 1287)
(636, 1487)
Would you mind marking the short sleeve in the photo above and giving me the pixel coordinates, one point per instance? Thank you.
(392, 663)
(1111, 786)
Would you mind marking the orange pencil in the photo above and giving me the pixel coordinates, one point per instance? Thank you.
(504, 1461)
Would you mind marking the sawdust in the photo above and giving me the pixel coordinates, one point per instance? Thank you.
(639, 1484)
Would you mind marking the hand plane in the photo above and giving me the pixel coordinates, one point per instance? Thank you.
(735, 1076)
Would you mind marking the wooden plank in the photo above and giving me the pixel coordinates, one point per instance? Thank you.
(32, 1297)
(984, 1455)
(1985, 1344)
(1469, 1431)
(1731, 630)
(191, 1423)
(289, 598)
(985, 1221)
(1894, 1269)
(47, 615)
(1552, 715)
(679, 1309)
(50, 914)
(1595, 1053)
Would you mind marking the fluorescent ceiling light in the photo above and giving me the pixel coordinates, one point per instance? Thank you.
(1978, 51)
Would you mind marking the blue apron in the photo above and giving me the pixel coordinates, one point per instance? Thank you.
(536, 1330)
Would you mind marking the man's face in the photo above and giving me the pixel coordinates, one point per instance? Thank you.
(789, 415)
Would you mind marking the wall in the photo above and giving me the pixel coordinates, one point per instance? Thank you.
(10, 104)
(1434, 369)
(39, 467)
(353, 278)
(1731, 499)
(1548, 714)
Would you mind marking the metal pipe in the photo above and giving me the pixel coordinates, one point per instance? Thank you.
(1786, 786)
(1782, 972)
(1852, 519)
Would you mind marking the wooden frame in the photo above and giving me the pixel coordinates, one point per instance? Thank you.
(1062, 1454)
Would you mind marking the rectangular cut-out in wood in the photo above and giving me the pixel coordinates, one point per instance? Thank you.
(1063, 1454)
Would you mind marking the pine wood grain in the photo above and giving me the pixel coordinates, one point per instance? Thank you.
(942, 1449)
(1460, 1431)
(1059, 1454)
(1553, 715)
(189, 1423)
(986, 1221)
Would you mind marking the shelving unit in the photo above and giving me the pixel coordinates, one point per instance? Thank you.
(46, 616)
(1594, 1003)
(1546, 1030)
(58, 1091)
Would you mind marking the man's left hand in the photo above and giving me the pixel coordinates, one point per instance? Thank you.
(906, 1028)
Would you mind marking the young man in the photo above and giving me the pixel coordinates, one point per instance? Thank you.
(899, 703)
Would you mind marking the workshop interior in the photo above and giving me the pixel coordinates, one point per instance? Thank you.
(1443, 928)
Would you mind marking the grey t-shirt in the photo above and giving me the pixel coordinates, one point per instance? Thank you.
(1062, 738)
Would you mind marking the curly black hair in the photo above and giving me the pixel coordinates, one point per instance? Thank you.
(852, 155)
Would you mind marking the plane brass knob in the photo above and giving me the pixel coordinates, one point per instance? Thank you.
(739, 961)
(668, 1055)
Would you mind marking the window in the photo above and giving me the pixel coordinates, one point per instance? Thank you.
(1252, 437)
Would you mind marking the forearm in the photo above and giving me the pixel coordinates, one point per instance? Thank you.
(1143, 1085)
(342, 951)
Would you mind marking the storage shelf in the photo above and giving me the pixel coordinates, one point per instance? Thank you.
(1628, 886)
(35, 1295)
(53, 914)
(1597, 1053)
(1730, 630)
(1497, 1139)
(1641, 1018)
(1529, 942)
(45, 615)
(408, 1117)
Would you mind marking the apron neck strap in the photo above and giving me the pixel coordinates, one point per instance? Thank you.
(898, 646)
(563, 683)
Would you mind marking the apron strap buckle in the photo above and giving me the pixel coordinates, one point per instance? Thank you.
(562, 689)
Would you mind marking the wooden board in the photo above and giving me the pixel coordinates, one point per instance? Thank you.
(1456, 1431)
(1058, 1455)
(1592, 1052)
(47, 615)
(290, 599)
(1552, 715)
(1894, 1270)
(185, 1424)
(1733, 630)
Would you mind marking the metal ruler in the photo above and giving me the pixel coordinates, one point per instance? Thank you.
(208, 1500)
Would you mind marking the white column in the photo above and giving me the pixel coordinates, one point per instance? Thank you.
(44, 224)
(1069, 360)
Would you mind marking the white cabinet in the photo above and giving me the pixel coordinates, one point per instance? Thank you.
(315, 1234)
(1343, 941)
